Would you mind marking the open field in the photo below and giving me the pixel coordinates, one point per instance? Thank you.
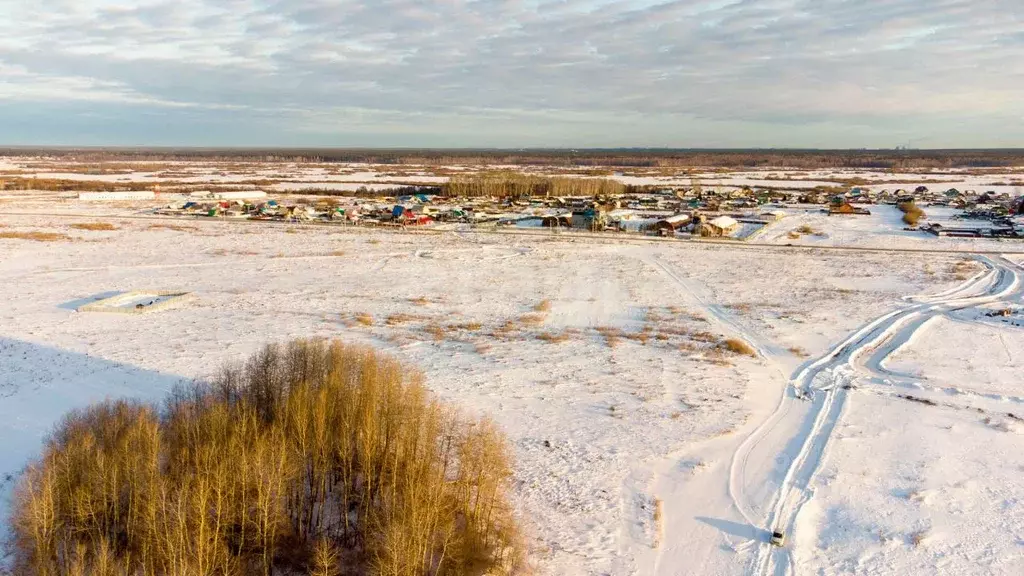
(669, 401)
(605, 364)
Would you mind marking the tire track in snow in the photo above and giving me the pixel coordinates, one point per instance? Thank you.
(724, 322)
(841, 366)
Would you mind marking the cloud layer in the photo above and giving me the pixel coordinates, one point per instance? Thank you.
(845, 73)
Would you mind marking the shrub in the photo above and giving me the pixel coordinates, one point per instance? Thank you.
(912, 214)
(737, 346)
(364, 319)
(311, 458)
(542, 306)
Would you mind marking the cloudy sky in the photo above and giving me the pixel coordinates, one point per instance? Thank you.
(508, 73)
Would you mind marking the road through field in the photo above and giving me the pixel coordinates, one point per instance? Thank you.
(724, 497)
(854, 362)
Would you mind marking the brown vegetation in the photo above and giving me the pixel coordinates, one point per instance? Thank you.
(314, 458)
(737, 346)
(611, 335)
(175, 227)
(468, 326)
(511, 184)
(364, 319)
(912, 214)
(36, 236)
(553, 337)
(95, 226)
(531, 319)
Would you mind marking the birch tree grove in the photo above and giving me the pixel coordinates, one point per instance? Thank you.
(311, 458)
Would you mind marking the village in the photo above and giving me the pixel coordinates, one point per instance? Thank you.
(683, 212)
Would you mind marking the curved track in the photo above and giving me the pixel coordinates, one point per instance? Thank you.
(824, 383)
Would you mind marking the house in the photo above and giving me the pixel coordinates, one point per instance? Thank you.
(721, 226)
(591, 218)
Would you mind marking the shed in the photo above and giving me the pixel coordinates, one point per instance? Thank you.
(556, 221)
(668, 226)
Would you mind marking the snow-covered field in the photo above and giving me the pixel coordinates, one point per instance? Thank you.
(283, 176)
(874, 424)
(883, 228)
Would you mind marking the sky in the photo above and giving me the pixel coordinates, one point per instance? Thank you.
(513, 73)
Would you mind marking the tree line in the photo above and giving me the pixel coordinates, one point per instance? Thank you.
(310, 458)
(510, 184)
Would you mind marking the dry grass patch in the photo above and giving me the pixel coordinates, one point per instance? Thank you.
(436, 331)
(506, 330)
(174, 227)
(737, 346)
(336, 253)
(531, 319)
(610, 334)
(421, 301)
(36, 236)
(707, 337)
(95, 226)
(401, 318)
(798, 352)
(554, 337)
(659, 520)
(642, 337)
(468, 326)
(364, 319)
(542, 306)
(963, 269)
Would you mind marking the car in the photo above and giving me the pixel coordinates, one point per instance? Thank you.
(778, 539)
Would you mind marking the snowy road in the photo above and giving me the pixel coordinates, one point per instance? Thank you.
(854, 362)
(723, 498)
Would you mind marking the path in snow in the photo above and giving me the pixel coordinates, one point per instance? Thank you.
(723, 497)
(824, 384)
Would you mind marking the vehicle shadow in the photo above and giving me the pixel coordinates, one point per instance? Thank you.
(737, 529)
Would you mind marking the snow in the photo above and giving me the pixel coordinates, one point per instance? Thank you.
(724, 222)
(873, 426)
(883, 228)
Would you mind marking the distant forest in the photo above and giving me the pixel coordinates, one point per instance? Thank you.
(624, 157)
